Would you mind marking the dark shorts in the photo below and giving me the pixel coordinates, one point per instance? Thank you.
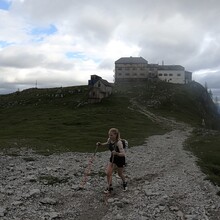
(119, 161)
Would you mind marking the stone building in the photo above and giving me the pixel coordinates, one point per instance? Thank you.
(137, 68)
(99, 89)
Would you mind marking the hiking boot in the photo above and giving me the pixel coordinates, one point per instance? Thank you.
(125, 188)
(108, 190)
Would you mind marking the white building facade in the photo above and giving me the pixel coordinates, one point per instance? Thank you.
(172, 73)
(137, 68)
(127, 68)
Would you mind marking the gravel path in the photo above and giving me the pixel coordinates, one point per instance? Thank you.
(164, 182)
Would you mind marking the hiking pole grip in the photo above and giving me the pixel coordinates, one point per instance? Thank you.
(97, 146)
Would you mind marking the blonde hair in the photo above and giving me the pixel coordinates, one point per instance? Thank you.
(116, 132)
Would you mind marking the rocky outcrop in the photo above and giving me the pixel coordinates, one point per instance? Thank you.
(164, 182)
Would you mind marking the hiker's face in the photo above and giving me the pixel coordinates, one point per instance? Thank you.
(112, 136)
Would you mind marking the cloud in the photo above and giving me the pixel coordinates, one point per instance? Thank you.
(209, 77)
(67, 41)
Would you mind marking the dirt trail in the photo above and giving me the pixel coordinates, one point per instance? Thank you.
(164, 182)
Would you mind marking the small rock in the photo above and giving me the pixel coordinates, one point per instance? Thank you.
(111, 200)
(17, 203)
(118, 217)
(180, 214)
(52, 215)
(75, 187)
(34, 192)
(162, 208)
(174, 208)
(126, 201)
(190, 217)
(2, 212)
(48, 201)
(118, 204)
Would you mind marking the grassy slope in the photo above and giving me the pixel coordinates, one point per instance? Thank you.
(206, 146)
(46, 121)
(187, 103)
(50, 123)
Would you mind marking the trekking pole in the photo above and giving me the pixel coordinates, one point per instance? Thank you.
(107, 195)
(88, 169)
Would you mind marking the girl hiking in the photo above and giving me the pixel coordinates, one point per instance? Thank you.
(117, 158)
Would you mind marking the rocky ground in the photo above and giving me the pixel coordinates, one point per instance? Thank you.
(164, 182)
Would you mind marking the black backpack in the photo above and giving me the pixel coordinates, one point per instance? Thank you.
(125, 144)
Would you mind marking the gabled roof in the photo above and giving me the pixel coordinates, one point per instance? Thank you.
(188, 72)
(131, 60)
(105, 82)
(170, 67)
(153, 65)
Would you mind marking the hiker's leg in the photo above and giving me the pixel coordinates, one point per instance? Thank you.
(109, 171)
(120, 173)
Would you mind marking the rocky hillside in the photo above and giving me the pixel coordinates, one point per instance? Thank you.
(190, 103)
(164, 182)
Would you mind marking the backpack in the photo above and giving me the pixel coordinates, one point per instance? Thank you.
(125, 144)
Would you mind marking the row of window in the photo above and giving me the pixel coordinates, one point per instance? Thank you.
(144, 74)
(128, 68)
(135, 68)
(136, 74)
(166, 74)
(133, 74)
(131, 65)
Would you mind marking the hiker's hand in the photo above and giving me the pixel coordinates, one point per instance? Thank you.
(98, 143)
(114, 152)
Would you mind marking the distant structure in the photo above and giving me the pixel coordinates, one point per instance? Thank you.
(99, 89)
(129, 69)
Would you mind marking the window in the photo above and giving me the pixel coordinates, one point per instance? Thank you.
(127, 74)
(160, 74)
(178, 74)
(165, 74)
(119, 68)
(170, 74)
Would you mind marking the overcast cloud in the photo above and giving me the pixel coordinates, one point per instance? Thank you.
(63, 42)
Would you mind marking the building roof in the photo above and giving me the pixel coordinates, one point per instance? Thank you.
(170, 67)
(105, 82)
(188, 72)
(153, 65)
(95, 78)
(131, 60)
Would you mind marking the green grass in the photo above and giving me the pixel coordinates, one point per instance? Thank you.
(206, 146)
(188, 103)
(49, 126)
(60, 119)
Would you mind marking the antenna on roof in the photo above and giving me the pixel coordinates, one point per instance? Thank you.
(162, 62)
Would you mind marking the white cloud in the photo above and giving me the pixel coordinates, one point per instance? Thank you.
(90, 36)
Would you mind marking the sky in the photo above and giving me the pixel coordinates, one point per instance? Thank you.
(54, 43)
